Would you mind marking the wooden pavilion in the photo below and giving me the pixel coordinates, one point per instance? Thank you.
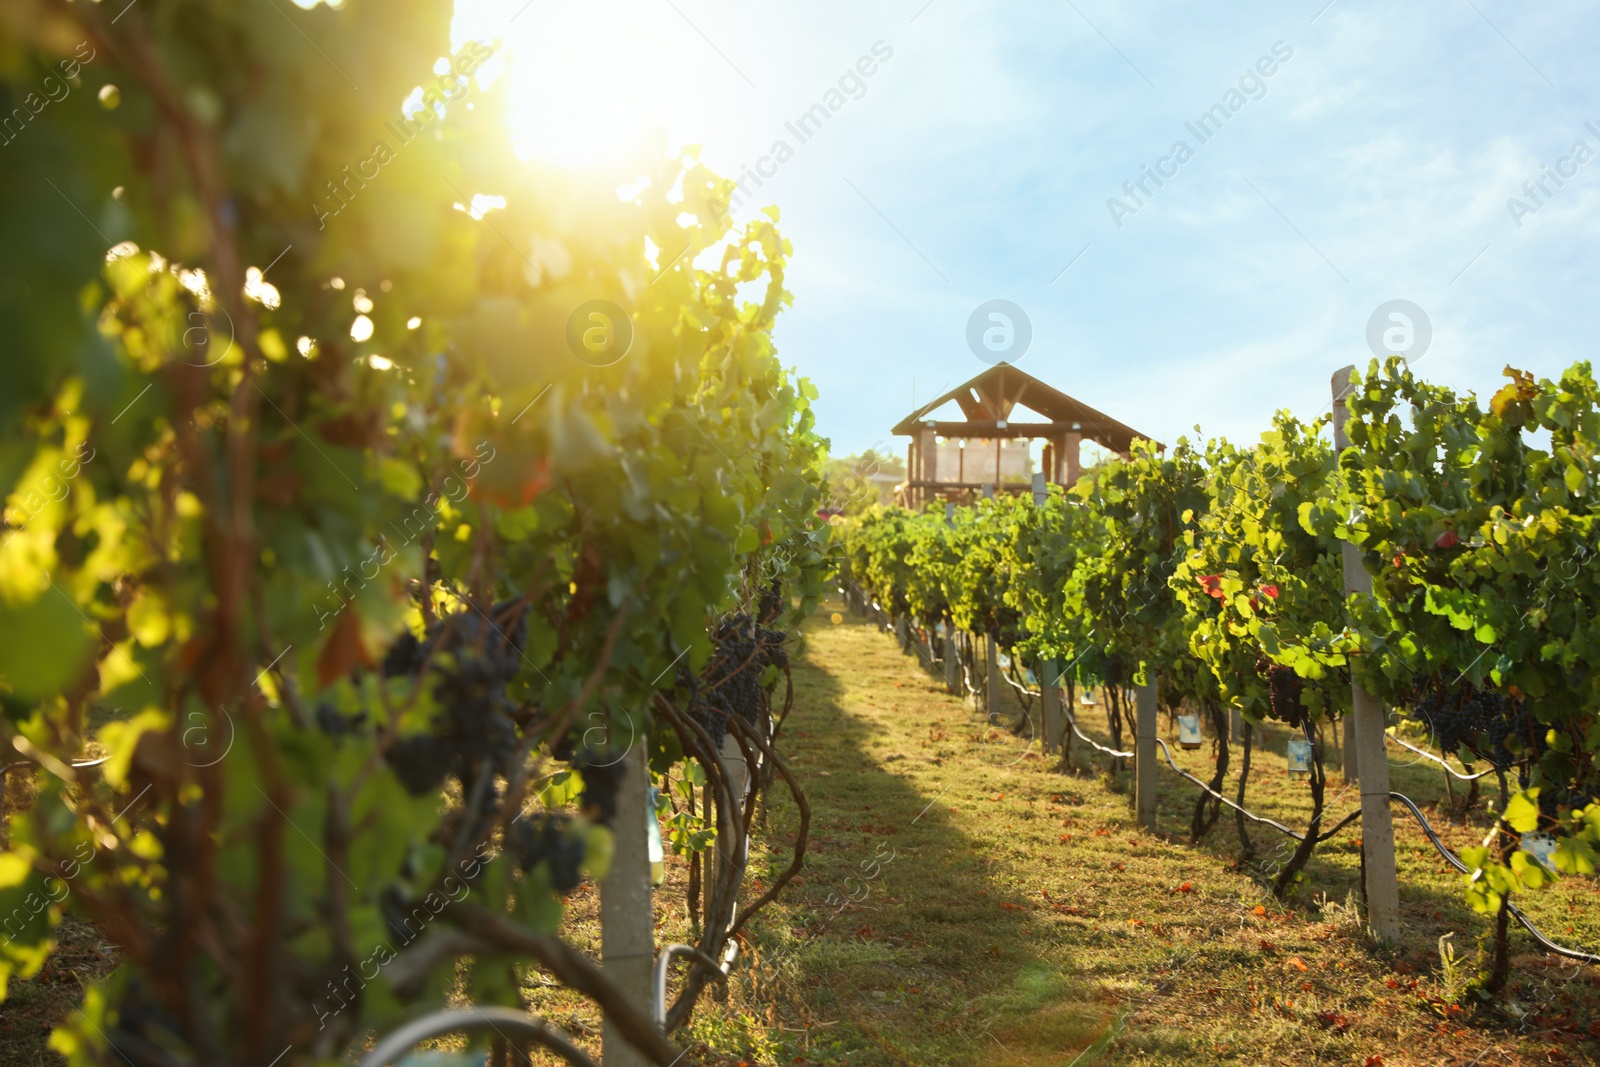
(987, 451)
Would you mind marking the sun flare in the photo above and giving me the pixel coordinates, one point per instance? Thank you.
(590, 84)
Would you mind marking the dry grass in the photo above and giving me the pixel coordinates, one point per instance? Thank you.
(33, 1007)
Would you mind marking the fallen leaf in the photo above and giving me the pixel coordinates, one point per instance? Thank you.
(1298, 962)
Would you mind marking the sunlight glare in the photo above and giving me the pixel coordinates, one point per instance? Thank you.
(589, 83)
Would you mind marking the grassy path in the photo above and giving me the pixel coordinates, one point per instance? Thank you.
(965, 903)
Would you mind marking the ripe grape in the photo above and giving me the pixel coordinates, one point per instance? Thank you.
(772, 601)
(419, 762)
(1285, 687)
(479, 654)
(1478, 720)
(537, 839)
(336, 725)
(602, 774)
(404, 657)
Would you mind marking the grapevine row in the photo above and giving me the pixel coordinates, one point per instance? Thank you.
(1214, 573)
(361, 573)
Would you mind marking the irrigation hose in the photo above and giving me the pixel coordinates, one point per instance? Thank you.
(1429, 755)
(505, 1022)
(1246, 812)
(1072, 721)
(1516, 912)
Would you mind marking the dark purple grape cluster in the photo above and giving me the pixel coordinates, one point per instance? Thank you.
(773, 601)
(477, 655)
(730, 684)
(1478, 720)
(404, 657)
(735, 667)
(419, 762)
(549, 839)
(602, 774)
(773, 647)
(332, 723)
(1285, 687)
(708, 707)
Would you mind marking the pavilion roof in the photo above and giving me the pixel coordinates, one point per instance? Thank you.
(988, 400)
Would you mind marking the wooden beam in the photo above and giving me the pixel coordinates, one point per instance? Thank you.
(936, 486)
(988, 429)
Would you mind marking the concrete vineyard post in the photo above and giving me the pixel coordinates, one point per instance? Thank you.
(1040, 493)
(1050, 697)
(627, 916)
(728, 823)
(1352, 763)
(952, 666)
(1235, 726)
(738, 774)
(1377, 824)
(992, 680)
(1144, 754)
(900, 632)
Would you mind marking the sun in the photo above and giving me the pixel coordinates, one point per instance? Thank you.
(590, 84)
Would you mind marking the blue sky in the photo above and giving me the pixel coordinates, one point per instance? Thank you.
(977, 162)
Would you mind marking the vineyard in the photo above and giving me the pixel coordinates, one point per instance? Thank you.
(1434, 565)
(434, 632)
